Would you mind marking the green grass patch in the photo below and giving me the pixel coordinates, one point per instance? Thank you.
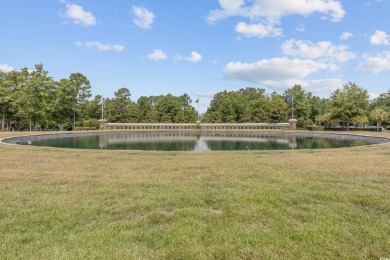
(98, 204)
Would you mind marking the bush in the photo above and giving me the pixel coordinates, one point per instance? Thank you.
(92, 122)
(353, 129)
(85, 128)
(315, 128)
(302, 123)
(373, 128)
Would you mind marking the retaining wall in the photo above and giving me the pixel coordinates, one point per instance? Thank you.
(160, 126)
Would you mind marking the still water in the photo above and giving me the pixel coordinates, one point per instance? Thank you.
(187, 141)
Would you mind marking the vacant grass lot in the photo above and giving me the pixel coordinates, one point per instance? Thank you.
(101, 204)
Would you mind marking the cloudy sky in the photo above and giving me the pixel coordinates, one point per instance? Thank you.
(201, 47)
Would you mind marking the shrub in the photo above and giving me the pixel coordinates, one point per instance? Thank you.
(353, 129)
(315, 128)
(302, 123)
(373, 128)
(85, 128)
(92, 122)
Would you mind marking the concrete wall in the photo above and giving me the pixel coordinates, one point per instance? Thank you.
(161, 126)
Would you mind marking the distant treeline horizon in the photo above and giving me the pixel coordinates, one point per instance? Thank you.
(31, 100)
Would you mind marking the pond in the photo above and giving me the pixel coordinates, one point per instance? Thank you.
(198, 140)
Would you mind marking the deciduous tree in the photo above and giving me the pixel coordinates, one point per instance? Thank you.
(349, 102)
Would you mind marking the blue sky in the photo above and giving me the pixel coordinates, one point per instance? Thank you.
(201, 47)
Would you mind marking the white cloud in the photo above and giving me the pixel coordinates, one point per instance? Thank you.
(79, 16)
(274, 10)
(194, 57)
(257, 30)
(6, 68)
(229, 8)
(374, 2)
(323, 85)
(375, 64)
(265, 14)
(320, 50)
(143, 18)
(314, 86)
(157, 55)
(275, 69)
(345, 36)
(100, 46)
(283, 73)
(380, 38)
(373, 96)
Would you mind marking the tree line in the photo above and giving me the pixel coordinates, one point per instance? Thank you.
(32, 100)
(349, 105)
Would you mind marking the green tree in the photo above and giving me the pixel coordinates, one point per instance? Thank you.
(62, 105)
(328, 119)
(252, 94)
(146, 107)
(233, 107)
(213, 114)
(119, 107)
(383, 101)
(32, 95)
(188, 111)
(227, 107)
(93, 108)
(379, 115)
(277, 109)
(168, 108)
(301, 103)
(256, 108)
(245, 106)
(6, 87)
(360, 120)
(317, 107)
(348, 103)
(80, 93)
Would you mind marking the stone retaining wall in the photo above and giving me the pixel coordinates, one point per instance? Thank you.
(160, 126)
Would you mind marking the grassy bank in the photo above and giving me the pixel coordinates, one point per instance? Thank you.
(99, 204)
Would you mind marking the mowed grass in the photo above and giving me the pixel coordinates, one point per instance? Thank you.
(101, 204)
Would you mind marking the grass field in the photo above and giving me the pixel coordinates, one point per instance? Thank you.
(101, 204)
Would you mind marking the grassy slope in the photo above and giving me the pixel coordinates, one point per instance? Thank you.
(62, 203)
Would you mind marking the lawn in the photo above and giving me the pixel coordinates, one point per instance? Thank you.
(101, 204)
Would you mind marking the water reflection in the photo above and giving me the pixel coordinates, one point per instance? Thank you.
(188, 141)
